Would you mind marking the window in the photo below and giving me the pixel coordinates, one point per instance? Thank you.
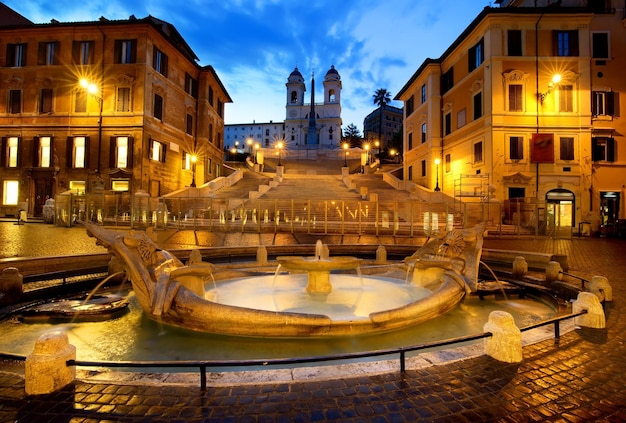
(566, 98)
(603, 103)
(331, 96)
(43, 152)
(448, 163)
(567, 148)
(423, 133)
(211, 140)
(10, 193)
(476, 56)
(123, 99)
(121, 152)
(15, 101)
(515, 97)
(600, 45)
(186, 161)
(220, 108)
(11, 151)
(460, 118)
(211, 96)
(159, 61)
(80, 101)
(410, 174)
(189, 128)
(409, 106)
(423, 92)
(125, 51)
(294, 96)
(410, 141)
(77, 151)
(514, 42)
(447, 81)
(602, 149)
(48, 53)
(191, 86)
(516, 148)
(16, 55)
(565, 43)
(423, 168)
(158, 107)
(45, 101)
(120, 185)
(82, 52)
(157, 151)
(478, 152)
(447, 124)
(478, 105)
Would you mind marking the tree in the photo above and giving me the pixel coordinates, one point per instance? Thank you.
(382, 97)
(353, 135)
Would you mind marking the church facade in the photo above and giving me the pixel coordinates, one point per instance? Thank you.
(313, 125)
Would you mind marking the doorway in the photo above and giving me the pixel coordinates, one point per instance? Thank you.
(609, 212)
(560, 218)
(43, 191)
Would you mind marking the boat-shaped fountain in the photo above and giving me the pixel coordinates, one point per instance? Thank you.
(188, 296)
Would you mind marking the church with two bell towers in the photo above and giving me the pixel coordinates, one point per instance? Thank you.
(313, 125)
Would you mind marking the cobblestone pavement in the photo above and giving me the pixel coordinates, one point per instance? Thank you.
(581, 379)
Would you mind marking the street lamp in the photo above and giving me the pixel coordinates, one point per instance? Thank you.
(256, 152)
(367, 153)
(345, 154)
(279, 146)
(555, 81)
(92, 89)
(437, 161)
(377, 145)
(194, 159)
(249, 142)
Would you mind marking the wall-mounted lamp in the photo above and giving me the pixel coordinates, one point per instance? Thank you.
(555, 81)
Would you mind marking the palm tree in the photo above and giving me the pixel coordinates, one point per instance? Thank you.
(382, 97)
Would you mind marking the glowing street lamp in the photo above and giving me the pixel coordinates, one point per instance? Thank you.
(249, 142)
(279, 146)
(367, 153)
(92, 89)
(256, 152)
(377, 145)
(345, 154)
(437, 162)
(194, 159)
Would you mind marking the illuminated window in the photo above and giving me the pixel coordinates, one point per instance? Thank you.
(12, 151)
(186, 161)
(120, 185)
(78, 187)
(78, 152)
(121, 150)
(10, 193)
(157, 151)
(44, 151)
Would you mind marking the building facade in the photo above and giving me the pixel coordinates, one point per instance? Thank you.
(245, 137)
(382, 124)
(524, 107)
(104, 106)
(313, 125)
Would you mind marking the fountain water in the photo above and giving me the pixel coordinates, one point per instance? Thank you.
(174, 294)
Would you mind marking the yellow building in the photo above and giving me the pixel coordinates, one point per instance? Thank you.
(103, 106)
(523, 109)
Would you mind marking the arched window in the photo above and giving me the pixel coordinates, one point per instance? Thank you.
(331, 96)
(294, 97)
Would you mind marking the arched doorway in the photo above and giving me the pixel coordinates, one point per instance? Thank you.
(560, 216)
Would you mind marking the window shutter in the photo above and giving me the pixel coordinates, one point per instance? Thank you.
(129, 164)
(165, 62)
(69, 152)
(610, 103)
(610, 149)
(36, 162)
(3, 152)
(41, 54)
(117, 51)
(133, 52)
(163, 151)
(112, 152)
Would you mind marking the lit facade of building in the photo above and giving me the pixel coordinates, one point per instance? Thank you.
(382, 131)
(146, 118)
(524, 107)
(245, 136)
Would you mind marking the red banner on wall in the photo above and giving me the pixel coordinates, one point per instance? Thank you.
(542, 148)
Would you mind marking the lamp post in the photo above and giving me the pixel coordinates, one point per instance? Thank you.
(367, 153)
(249, 142)
(194, 159)
(437, 161)
(256, 152)
(279, 146)
(345, 154)
(92, 89)
(377, 145)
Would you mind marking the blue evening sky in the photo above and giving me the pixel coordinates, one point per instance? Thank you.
(255, 44)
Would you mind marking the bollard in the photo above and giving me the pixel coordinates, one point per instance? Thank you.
(11, 286)
(594, 318)
(553, 271)
(505, 342)
(520, 267)
(261, 256)
(601, 288)
(46, 368)
(381, 255)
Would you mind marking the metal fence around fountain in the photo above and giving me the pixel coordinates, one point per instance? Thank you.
(204, 365)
